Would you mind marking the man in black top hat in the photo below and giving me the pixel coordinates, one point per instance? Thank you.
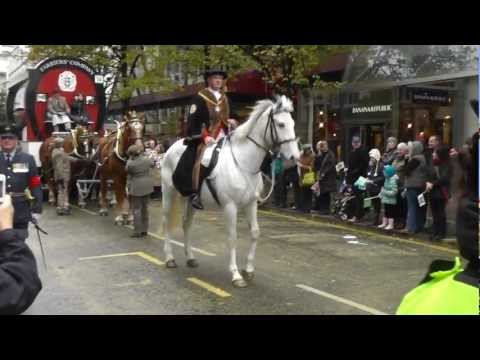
(208, 120)
(23, 181)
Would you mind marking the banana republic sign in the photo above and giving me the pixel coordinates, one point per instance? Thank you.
(371, 104)
(372, 109)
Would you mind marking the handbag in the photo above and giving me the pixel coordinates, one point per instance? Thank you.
(308, 178)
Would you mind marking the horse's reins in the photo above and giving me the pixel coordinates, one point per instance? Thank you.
(273, 134)
(275, 143)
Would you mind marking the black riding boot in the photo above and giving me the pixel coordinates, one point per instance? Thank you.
(196, 202)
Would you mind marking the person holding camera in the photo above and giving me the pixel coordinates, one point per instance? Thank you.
(22, 180)
(19, 281)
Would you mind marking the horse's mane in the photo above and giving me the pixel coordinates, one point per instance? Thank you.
(244, 129)
(283, 104)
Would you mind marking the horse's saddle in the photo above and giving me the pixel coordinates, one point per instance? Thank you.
(182, 176)
(210, 159)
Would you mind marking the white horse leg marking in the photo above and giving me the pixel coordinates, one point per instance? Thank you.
(187, 226)
(166, 219)
(251, 213)
(231, 228)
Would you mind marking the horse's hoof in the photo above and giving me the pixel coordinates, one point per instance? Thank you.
(103, 213)
(192, 263)
(171, 264)
(119, 223)
(248, 276)
(240, 283)
(82, 206)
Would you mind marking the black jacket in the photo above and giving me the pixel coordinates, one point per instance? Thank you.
(20, 176)
(357, 165)
(441, 184)
(199, 116)
(377, 177)
(326, 173)
(19, 281)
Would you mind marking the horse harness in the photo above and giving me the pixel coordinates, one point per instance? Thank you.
(275, 143)
(208, 170)
(274, 136)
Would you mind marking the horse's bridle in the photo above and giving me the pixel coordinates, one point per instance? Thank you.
(130, 123)
(273, 134)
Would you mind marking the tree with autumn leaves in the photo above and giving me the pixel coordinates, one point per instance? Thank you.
(135, 69)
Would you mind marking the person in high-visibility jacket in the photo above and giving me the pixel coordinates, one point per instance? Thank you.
(449, 288)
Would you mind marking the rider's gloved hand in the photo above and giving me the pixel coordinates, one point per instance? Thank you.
(36, 216)
(232, 123)
(209, 140)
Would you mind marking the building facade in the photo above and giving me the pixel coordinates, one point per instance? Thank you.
(407, 91)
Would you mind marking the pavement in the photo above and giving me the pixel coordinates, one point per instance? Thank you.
(304, 266)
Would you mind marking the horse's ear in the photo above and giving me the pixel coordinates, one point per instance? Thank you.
(278, 103)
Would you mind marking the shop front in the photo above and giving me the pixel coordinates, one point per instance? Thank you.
(411, 112)
(367, 114)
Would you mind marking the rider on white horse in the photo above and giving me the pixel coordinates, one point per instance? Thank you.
(208, 121)
(235, 179)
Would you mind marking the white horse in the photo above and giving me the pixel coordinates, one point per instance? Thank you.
(236, 178)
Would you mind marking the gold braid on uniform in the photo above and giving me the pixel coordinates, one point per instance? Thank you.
(216, 116)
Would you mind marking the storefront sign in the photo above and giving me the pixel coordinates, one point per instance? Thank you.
(371, 109)
(424, 96)
(370, 104)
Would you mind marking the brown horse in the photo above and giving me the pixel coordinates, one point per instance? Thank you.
(112, 155)
(84, 142)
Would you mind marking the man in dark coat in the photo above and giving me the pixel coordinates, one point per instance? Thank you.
(20, 170)
(357, 166)
(208, 120)
(326, 176)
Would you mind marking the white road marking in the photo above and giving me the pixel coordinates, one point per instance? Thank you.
(356, 242)
(287, 236)
(139, 283)
(200, 251)
(341, 300)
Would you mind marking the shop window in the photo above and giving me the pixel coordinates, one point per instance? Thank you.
(420, 121)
